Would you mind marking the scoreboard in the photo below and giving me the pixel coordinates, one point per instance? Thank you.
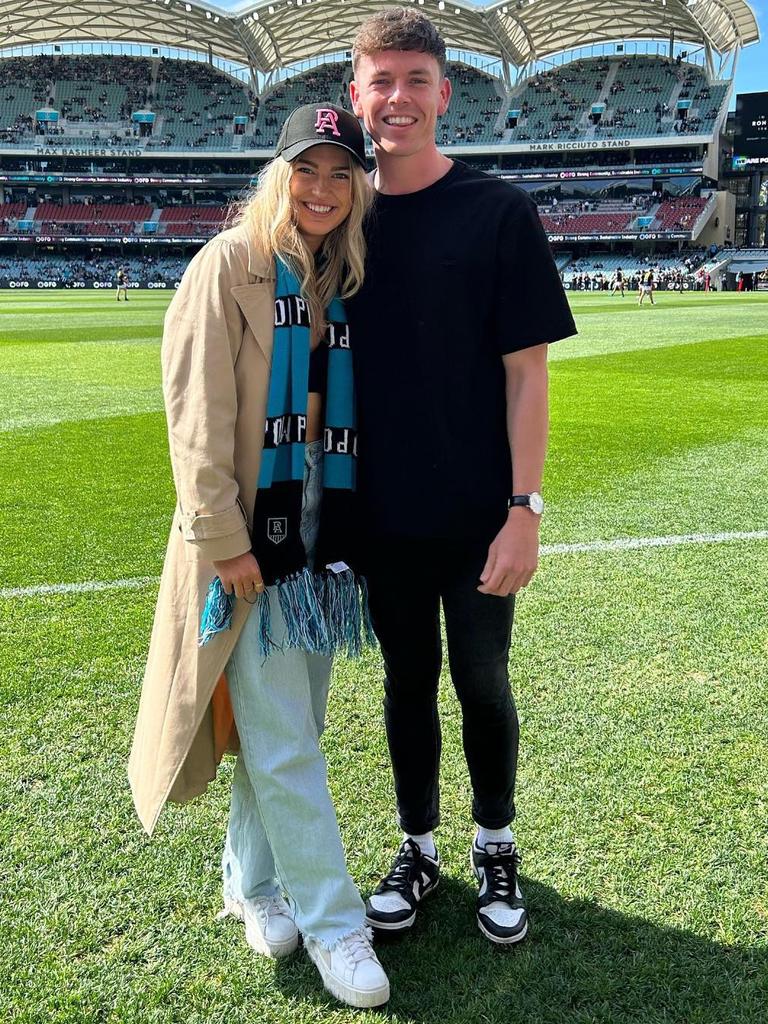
(750, 142)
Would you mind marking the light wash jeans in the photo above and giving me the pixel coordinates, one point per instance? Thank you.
(282, 825)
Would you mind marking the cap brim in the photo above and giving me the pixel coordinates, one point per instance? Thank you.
(291, 152)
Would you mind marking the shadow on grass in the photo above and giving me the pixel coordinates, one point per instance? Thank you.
(580, 963)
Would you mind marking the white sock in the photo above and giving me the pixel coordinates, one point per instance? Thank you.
(426, 843)
(494, 835)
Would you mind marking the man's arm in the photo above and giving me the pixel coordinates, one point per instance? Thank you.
(514, 554)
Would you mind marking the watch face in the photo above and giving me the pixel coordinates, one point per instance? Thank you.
(536, 503)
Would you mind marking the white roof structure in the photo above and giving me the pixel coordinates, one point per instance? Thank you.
(271, 34)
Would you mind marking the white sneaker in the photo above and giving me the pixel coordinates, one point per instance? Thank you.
(351, 970)
(269, 925)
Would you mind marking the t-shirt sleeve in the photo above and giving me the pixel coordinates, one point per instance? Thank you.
(530, 302)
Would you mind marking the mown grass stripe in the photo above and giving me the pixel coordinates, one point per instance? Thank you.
(618, 544)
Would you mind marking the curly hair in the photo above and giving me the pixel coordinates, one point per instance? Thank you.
(398, 28)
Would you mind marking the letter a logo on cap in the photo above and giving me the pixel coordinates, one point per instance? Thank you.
(327, 119)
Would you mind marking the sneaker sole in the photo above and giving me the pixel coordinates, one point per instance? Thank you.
(500, 940)
(399, 926)
(257, 942)
(359, 998)
(507, 940)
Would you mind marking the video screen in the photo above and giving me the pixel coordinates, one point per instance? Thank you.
(751, 138)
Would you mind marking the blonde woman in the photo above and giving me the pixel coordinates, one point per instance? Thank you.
(259, 587)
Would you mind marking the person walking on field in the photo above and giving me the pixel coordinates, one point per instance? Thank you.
(260, 585)
(618, 282)
(646, 287)
(460, 300)
(122, 284)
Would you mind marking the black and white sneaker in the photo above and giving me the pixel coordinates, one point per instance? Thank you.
(392, 906)
(501, 913)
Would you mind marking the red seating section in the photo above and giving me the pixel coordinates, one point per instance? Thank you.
(11, 211)
(191, 220)
(679, 214)
(587, 223)
(67, 213)
(101, 218)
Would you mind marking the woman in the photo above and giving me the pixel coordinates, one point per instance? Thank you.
(257, 590)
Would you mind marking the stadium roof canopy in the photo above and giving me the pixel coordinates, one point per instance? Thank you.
(270, 34)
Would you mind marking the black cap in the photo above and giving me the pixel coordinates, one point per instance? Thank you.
(317, 123)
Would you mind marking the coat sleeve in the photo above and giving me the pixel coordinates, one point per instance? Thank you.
(203, 331)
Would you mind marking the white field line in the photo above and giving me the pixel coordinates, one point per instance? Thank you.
(619, 544)
(632, 543)
(79, 588)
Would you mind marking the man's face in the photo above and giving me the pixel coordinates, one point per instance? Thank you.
(400, 94)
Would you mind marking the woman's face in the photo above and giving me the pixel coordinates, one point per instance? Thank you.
(321, 189)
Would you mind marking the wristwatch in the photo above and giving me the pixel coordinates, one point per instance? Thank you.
(532, 501)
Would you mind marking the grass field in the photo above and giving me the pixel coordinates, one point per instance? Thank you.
(641, 676)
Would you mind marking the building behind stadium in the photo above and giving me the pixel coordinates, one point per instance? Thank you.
(126, 138)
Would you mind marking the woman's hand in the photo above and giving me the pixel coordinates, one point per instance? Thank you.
(240, 575)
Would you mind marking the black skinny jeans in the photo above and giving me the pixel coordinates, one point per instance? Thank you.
(407, 579)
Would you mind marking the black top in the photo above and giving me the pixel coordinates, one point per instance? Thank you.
(318, 368)
(458, 274)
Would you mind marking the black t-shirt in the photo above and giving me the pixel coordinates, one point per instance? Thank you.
(458, 275)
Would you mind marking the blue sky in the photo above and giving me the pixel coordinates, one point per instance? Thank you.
(752, 71)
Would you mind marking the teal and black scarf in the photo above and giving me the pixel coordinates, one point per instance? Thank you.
(325, 610)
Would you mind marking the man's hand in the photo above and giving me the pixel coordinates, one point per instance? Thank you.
(513, 556)
(240, 575)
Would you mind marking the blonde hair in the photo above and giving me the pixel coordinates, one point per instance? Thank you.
(269, 214)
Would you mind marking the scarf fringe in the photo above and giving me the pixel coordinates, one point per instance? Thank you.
(370, 635)
(325, 613)
(304, 622)
(217, 613)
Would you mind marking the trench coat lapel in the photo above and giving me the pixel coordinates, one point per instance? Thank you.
(256, 301)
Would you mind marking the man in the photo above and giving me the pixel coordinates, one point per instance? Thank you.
(122, 284)
(461, 297)
(618, 282)
(646, 287)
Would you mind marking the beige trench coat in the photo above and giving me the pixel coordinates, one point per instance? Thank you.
(216, 356)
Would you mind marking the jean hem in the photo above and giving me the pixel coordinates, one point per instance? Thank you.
(269, 890)
(330, 944)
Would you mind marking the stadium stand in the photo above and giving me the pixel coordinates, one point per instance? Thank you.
(688, 265)
(86, 218)
(195, 104)
(476, 103)
(202, 122)
(327, 82)
(602, 266)
(679, 214)
(71, 269)
(637, 97)
(610, 219)
(596, 216)
(10, 213)
(191, 220)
